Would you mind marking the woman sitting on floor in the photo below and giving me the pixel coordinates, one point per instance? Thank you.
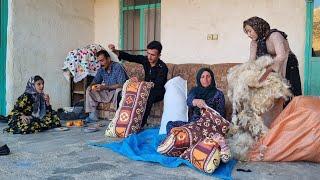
(32, 111)
(203, 95)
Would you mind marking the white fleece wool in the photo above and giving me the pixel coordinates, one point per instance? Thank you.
(250, 99)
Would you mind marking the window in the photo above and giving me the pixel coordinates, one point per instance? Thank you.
(140, 24)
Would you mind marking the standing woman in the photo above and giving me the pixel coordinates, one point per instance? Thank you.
(32, 111)
(266, 41)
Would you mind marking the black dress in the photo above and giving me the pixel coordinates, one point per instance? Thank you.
(292, 69)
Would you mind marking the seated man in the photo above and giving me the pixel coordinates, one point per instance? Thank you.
(155, 71)
(105, 86)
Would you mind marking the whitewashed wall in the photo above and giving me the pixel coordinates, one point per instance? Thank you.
(107, 22)
(186, 23)
(40, 34)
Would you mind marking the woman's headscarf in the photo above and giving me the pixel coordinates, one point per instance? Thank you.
(259, 25)
(205, 92)
(262, 28)
(39, 105)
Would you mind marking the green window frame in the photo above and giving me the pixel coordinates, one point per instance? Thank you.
(308, 46)
(3, 49)
(141, 9)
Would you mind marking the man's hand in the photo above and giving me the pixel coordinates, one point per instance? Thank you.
(99, 87)
(95, 87)
(112, 47)
(103, 87)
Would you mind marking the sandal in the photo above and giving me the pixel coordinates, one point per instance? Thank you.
(61, 129)
(90, 129)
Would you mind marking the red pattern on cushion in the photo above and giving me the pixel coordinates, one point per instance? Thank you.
(128, 117)
(205, 155)
(208, 125)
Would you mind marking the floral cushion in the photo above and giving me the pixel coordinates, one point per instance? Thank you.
(181, 138)
(128, 117)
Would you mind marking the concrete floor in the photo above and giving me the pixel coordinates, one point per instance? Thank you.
(66, 155)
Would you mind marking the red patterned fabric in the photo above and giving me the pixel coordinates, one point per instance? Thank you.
(207, 153)
(131, 109)
(204, 155)
(181, 138)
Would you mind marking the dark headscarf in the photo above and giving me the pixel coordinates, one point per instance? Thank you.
(39, 105)
(204, 92)
(262, 28)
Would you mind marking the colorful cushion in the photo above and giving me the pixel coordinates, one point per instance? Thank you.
(225, 153)
(176, 143)
(204, 155)
(128, 117)
(219, 124)
(181, 138)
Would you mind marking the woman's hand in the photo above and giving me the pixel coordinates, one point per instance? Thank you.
(25, 119)
(47, 99)
(266, 74)
(200, 103)
(134, 79)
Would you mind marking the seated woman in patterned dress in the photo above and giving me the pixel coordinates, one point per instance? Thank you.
(203, 95)
(32, 112)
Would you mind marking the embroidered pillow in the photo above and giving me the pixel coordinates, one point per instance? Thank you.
(181, 138)
(225, 153)
(176, 142)
(217, 122)
(204, 155)
(128, 117)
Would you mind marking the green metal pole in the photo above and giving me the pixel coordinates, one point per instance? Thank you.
(3, 50)
(121, 41)
(142, 29)
(307, 51)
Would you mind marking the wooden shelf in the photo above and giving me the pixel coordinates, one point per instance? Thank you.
(78, 90)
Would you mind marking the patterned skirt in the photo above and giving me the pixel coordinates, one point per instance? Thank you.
(17, 126)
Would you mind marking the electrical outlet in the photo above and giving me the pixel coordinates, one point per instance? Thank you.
(212, 37)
